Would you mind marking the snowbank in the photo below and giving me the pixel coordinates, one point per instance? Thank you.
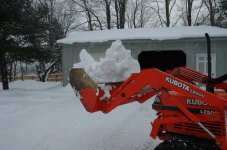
(160, 33)
(116, 66)
(31, 84)
(46, 116)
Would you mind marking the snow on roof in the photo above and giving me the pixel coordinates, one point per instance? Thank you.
(161, 33)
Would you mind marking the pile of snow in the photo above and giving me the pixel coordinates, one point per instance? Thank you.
(116, 66)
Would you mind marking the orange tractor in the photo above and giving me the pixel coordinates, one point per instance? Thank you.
(188, 116)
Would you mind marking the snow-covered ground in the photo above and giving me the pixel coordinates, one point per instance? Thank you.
(47, 116)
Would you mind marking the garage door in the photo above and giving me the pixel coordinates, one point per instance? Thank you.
(163, 60)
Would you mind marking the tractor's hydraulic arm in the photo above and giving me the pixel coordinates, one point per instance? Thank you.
(142, 86)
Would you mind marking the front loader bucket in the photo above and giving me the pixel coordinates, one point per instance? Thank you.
(79, 80)
(86, 87)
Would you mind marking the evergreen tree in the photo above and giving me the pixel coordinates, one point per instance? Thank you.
(11, 14)
(24, 34)
(222, 14)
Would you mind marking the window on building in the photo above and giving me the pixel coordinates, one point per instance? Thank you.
(202, 65)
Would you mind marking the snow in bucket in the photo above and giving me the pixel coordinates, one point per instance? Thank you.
(116, 66)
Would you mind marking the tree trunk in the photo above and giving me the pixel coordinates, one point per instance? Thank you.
(89, 20)
(210, 8)
(122, 8)
(4, 72)
(211, 13)
(117, 13)
(88, 15)
(44, 77)
(22, 71)
(134, 13)
(189, 12)
(167, 2)
(11, 71)
(15, 68)
(108, 14)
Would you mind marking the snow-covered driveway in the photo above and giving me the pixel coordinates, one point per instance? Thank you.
(46, 116)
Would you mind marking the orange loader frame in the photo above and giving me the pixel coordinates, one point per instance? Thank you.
(182, 106)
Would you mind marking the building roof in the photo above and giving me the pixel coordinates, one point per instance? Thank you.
(161, 33)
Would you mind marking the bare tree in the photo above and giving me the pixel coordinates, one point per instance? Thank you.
(131, 13)
(117, 13)
(167, 2)
(120, 9)
(163, 9)
(99, 14)
(186, 12)
(67, 15)
(138, 13)
(84, 5)
(101, 7)
(182, 14)
(168, 8)
(199, 7)
(158, 11)
(134, 13)
(108, 13)
(145, 15)
(211, 6)
(87, 8)
(189, 11)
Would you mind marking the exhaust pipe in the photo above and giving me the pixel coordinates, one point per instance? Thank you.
(210, 84)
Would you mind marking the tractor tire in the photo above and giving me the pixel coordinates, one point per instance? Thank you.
(191, 146)
(176, 144)
(165, 145)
